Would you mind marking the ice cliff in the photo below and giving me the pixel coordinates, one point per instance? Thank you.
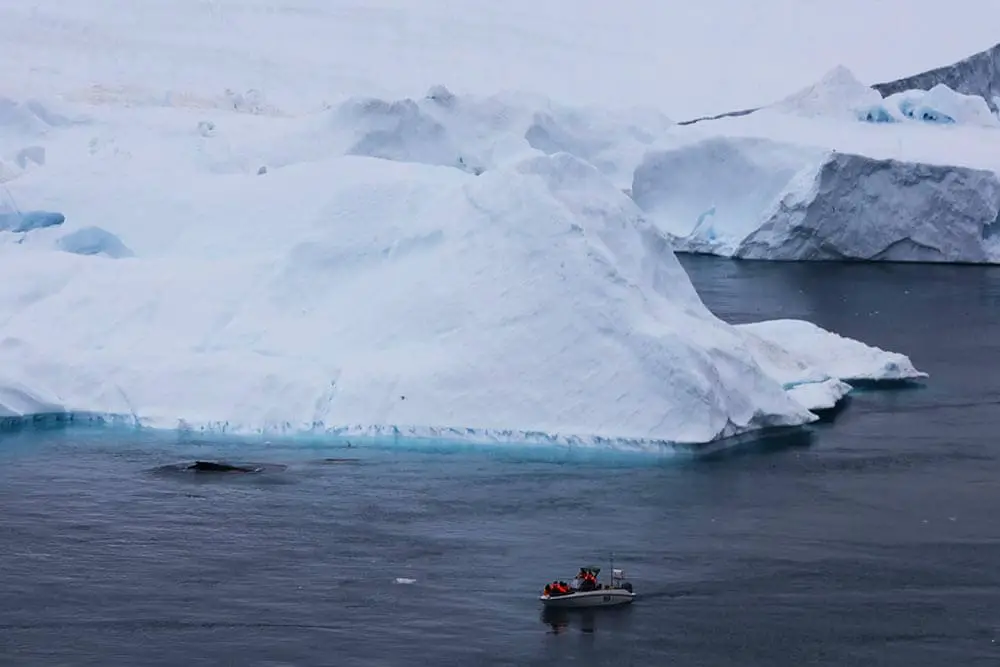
(757, 198)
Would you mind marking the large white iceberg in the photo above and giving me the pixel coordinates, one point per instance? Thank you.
(364, 295)
(451, 265)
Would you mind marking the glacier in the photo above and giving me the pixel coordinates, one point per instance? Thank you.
(334, 255)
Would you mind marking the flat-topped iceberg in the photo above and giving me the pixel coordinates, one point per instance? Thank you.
(532, 302)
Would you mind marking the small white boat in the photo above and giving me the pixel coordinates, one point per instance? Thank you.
(579, 595)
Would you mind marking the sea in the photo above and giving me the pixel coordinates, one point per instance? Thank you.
(871, 538)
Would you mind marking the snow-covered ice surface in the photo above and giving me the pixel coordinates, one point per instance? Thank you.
(473, 133)
(838, 94)
(831, 353)
(253, 237)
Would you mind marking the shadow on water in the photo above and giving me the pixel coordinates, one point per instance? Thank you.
(767, 442)
(222, 460)
(887, 385)
(586, 621)
(829, 415)
(589, 621)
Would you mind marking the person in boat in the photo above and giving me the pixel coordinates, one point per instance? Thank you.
(556, 588)
(587, 580)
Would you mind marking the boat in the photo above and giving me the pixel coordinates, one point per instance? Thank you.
(579, 595)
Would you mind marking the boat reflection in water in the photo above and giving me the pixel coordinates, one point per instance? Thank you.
(585, 619)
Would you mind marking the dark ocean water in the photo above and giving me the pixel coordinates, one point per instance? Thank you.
(871, 540)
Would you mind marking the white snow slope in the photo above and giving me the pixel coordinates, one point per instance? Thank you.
(833, 172)
(458, 266)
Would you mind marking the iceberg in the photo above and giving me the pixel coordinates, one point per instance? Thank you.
(834, 171)
(756, 198)
(531, 302)
(711, 194)
(461, 265)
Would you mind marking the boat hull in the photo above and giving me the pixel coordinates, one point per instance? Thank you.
(601, 598)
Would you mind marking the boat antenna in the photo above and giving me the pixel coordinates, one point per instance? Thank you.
(612, 572)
